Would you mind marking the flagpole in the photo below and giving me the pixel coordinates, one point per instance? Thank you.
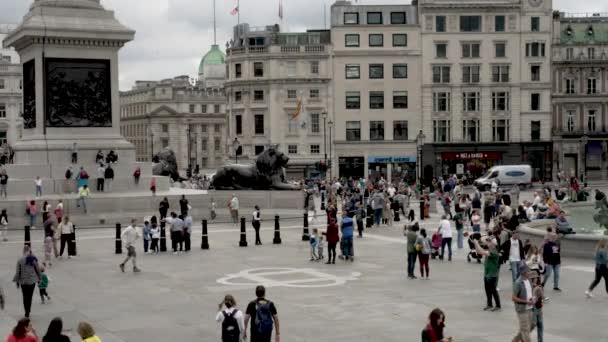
(214, 26)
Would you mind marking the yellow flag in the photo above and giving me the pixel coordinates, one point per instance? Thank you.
(298, 110)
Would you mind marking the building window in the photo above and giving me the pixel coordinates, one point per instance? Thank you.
(535, 101)
(204, 162)
(569, 53)
(258, 95)
(352, 71)
(353, 130)
(353, 100)
(398, 18)
(314, 67)
(291, 68)
(470, 23)
(292, 94)
(592, 86)
(500, 130)
(293, 124)
(535, 24)
(441, 130)
(470, 50)
(501, 101)
(204, 108)
(571, 121)
(314, 93)
(500, 73)
(471, 101)
(351, 40)
(258, 69)
(238, 124)
(192, 108)
(216, 108)
(292, 149)
(399, 70)
(164, 142)
(2, 110)
(164, 128)
(441, 74)
(204, 128)
(376, 40)
(376, 71)
(376, 100)
(591, 53)
(315, 149)
(499, 23)
(440, 23)
(237, 70)
(217, 128)
(376, 130)
(441, 102)
(258, 124)
(399, 39)
(441, 50)
(351, 18)
(591, 123)
(399, 99)
(259, 149)
(470, 130)
(374, 18)
(400, 130)
(535, 131)
(315, 127)
(500, 49)
(535, 73)
(570, 86)
(238, 96)
(535, 49)
(470, 74)
(216, 144)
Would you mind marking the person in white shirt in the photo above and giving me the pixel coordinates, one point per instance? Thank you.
(391, 190)
(129, 236)
(233, 205)
(187, 232)
(255, 222)
(66, 228)
(231, 319)
(515, 249)
(494, 186)
(38, 183)
(536, 201)
(445, 229)
(155, 238)
(529, 211)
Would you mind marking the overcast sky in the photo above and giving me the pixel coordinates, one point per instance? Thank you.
(173, 35)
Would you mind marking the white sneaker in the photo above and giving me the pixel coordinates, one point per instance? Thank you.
(588, 294)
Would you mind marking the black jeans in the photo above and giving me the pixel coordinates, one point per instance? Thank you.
(601, 271)
(360, 227)
(28, 293)
(256, 227)
(74, 157)
(448, 242)
(490, 287)
(154, 247)
(331, 250)
(176, 238)
(65, 240)
(411, 263)
(100, 184)
(186, 242)
(43, 294)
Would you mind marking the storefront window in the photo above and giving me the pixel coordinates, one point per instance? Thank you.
(351, 167)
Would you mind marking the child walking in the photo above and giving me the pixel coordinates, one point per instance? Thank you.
(314, 244)
(48, 250)
(147, 235)
(320, 246)
(43, 285)
(155, 237)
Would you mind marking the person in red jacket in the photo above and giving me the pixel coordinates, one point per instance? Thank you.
(332, 237)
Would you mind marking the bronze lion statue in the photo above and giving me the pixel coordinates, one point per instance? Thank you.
(265, 174)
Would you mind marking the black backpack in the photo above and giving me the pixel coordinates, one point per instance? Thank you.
(230, 327)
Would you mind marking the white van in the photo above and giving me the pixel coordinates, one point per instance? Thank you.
(505, 175)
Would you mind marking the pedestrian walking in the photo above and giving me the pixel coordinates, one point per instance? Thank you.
(377, 202)
(523, 298)
(67, 229)
(231, 320)
(83, 195)
(333, 238)
(346, 242)
(459, 221)
(4, 225)
(59, 211)
(513, 251)
(27, 275)
(233, 206)
(108, 176)
(129, 236)
(187, 232)
(552, 259)
(433, 331)
(155, 237)
(163, 208)
(601, 268)
(411, 233)
(445, 229)
(74, 153)
(87, 333)
(212, 208)
(147, 233)
(423, 246)
(264, 316)
(490, 272)
(3, 183)
(46, 209)
(101, 173)
(256, 222)
(359, 215)
(183, 205)
(43, 285)
(23, 332)
(538, 294)
(55, 332)
(32, 212)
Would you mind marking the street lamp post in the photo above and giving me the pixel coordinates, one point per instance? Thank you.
(584, 142)
(151, 145)
(324, 114)
(419, 143)
(330, 165)
(189, 148)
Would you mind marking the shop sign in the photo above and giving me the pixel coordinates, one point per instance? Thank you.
(471, 155)
(391, 159)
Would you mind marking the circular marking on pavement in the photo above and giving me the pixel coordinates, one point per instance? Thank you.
(286, 277)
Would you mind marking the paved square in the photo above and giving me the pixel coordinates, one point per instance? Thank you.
(176, 296)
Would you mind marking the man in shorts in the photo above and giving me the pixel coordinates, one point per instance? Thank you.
(129, 236)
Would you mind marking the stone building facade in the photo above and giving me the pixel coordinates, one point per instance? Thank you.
(376, 86)
(486, 85)
(580, 89)
(11, 123)
(278, 91)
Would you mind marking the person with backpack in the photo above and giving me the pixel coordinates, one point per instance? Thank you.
(82, 178)
(67, 186)
(264, 317)
(231, 319)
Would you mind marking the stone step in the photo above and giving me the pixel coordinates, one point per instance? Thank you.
(57, 171)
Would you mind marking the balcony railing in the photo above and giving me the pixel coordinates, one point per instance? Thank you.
(579, 132)
(314, 48)
(290, 49)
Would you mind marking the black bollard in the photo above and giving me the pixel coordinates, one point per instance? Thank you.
(421, 209)
(243, 242)
(305, 232)
(323, 200)
(163, 238)
(27, 240)
(277, 231)
(72, 243)
(205, 238)
(118, 244)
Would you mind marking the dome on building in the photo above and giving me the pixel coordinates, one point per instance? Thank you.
(215, 56)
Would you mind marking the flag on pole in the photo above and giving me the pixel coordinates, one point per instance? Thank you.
(281, 9)
(298, 110)
(235, 11)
